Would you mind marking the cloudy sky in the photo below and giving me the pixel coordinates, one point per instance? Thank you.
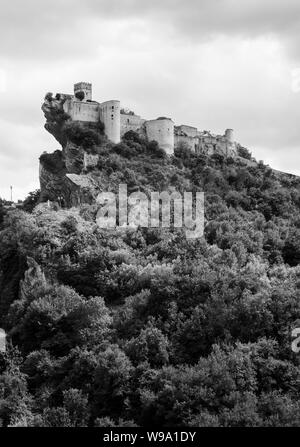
(213, 64)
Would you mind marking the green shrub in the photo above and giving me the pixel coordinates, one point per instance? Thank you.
(86, 135)
(53, 162)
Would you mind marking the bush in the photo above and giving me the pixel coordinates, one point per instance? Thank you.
(80, 96)
(244, 153)
(155, 150)
(131, 135)
(31, 201)
(183, 150)
(53, 162)
(125, 150)
(85, 135)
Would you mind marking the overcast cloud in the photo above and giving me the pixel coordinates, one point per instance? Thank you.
(209, 63)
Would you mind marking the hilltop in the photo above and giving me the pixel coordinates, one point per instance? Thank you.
(143, 326)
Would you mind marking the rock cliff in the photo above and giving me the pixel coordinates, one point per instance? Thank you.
(79, 144)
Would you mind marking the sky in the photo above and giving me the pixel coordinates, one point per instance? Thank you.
(213, 64)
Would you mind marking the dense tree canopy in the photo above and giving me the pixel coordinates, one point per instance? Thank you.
(128, 327)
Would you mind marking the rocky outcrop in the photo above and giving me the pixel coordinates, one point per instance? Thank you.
(55, 186)
(84, 189)
(79, 141)
(53, 108)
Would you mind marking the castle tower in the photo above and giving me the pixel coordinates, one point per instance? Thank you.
(110, 116)
(162, 131)
(85, 88)
(229, 135)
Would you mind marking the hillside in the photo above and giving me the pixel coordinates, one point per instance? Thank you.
(133, 327)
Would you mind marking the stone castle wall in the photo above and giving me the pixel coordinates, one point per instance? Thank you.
(82, 111)
(110, 116)
(189, 131)
(131, 122)
(84, 87)
(216, 144)
(191, 142)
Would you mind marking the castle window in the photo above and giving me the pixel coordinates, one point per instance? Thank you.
(112, 107)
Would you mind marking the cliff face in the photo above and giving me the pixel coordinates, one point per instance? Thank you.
(74, 158)
(78, 141)
(56, 117)
(54, 183)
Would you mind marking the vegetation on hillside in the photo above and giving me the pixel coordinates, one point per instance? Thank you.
(132, 327)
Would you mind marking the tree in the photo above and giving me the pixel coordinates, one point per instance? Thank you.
(291, 249)
(15, 400)
(244, 153)
(150, 346)
(80, 95)
(31, 201)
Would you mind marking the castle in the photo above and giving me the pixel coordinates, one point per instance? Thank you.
(117, 121)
